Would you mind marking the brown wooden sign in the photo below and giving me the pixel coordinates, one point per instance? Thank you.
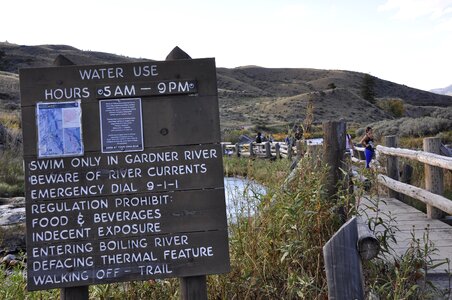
(124, 175)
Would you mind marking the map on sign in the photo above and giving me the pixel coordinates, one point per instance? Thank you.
(59, 129)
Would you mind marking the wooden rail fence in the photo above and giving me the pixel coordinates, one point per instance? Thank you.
(435, 158)
(434, 163)
(261, 150)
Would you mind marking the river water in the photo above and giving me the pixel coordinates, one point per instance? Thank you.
(242, 197)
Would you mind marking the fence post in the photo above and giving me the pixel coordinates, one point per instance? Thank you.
(268, 150)
(78, 292)
(289, 151)
(277, 151)
(299, 147)
(237, 149)
(392, 164)
(191, 287)
(433, 176)
(343, 264)
(333, 154)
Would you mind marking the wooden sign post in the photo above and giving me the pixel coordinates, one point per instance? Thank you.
(124, 173)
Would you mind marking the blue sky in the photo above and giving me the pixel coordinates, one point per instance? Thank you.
(405, 41)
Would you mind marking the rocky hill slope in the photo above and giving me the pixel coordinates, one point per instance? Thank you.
(249, 95)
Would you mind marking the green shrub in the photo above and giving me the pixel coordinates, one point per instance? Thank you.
(277, 254)
(233, 135)
(11, 174)
(443, 113)
(403, 127)
(394, 107)
(445, 136)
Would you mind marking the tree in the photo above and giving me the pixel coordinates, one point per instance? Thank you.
(309, 120)
(2, 60)
(368, 88)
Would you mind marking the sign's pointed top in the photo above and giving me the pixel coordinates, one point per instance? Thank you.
(177, 53)
(62, 60)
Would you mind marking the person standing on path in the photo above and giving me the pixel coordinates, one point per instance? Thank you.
(349, 147)
(368, 142)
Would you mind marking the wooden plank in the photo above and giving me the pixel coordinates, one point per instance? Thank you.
(181, 211)
(163, 169)
(195, 254)
(406, 216)
(343, 264)
(74, 83)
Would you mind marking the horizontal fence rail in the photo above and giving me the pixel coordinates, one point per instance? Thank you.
(422, 195)
(262, 150)
(434, 164)
(421, 156)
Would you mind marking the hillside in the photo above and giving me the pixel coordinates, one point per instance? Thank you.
(248, 95)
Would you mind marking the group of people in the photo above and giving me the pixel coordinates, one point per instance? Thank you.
(261, 139)
(367, 141)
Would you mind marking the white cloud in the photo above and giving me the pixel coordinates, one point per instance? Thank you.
(412, 9)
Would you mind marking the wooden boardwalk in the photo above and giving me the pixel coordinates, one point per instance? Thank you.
(409, 220)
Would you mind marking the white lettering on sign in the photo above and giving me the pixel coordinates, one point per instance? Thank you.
(101, 73)
(53, 178)
(62, 249)
(107, 273)
(174, 87)
(124, 173)
(63, 278)
(67, 263)
(151, 157)
(200, 154)
(155, 269)
(127, 229)
(145, 71)
(117, 91)
(122, 188)
(57, 235)
(120, 216)
(51, 164)
(142, 201)
(66, 93)
(112, 160)
(177, 170)
(176, 240)
(121, 258)
(55, 221)
(174, 254)
(86, 161)
(52, 207)
(113, 245)
(71, 191)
